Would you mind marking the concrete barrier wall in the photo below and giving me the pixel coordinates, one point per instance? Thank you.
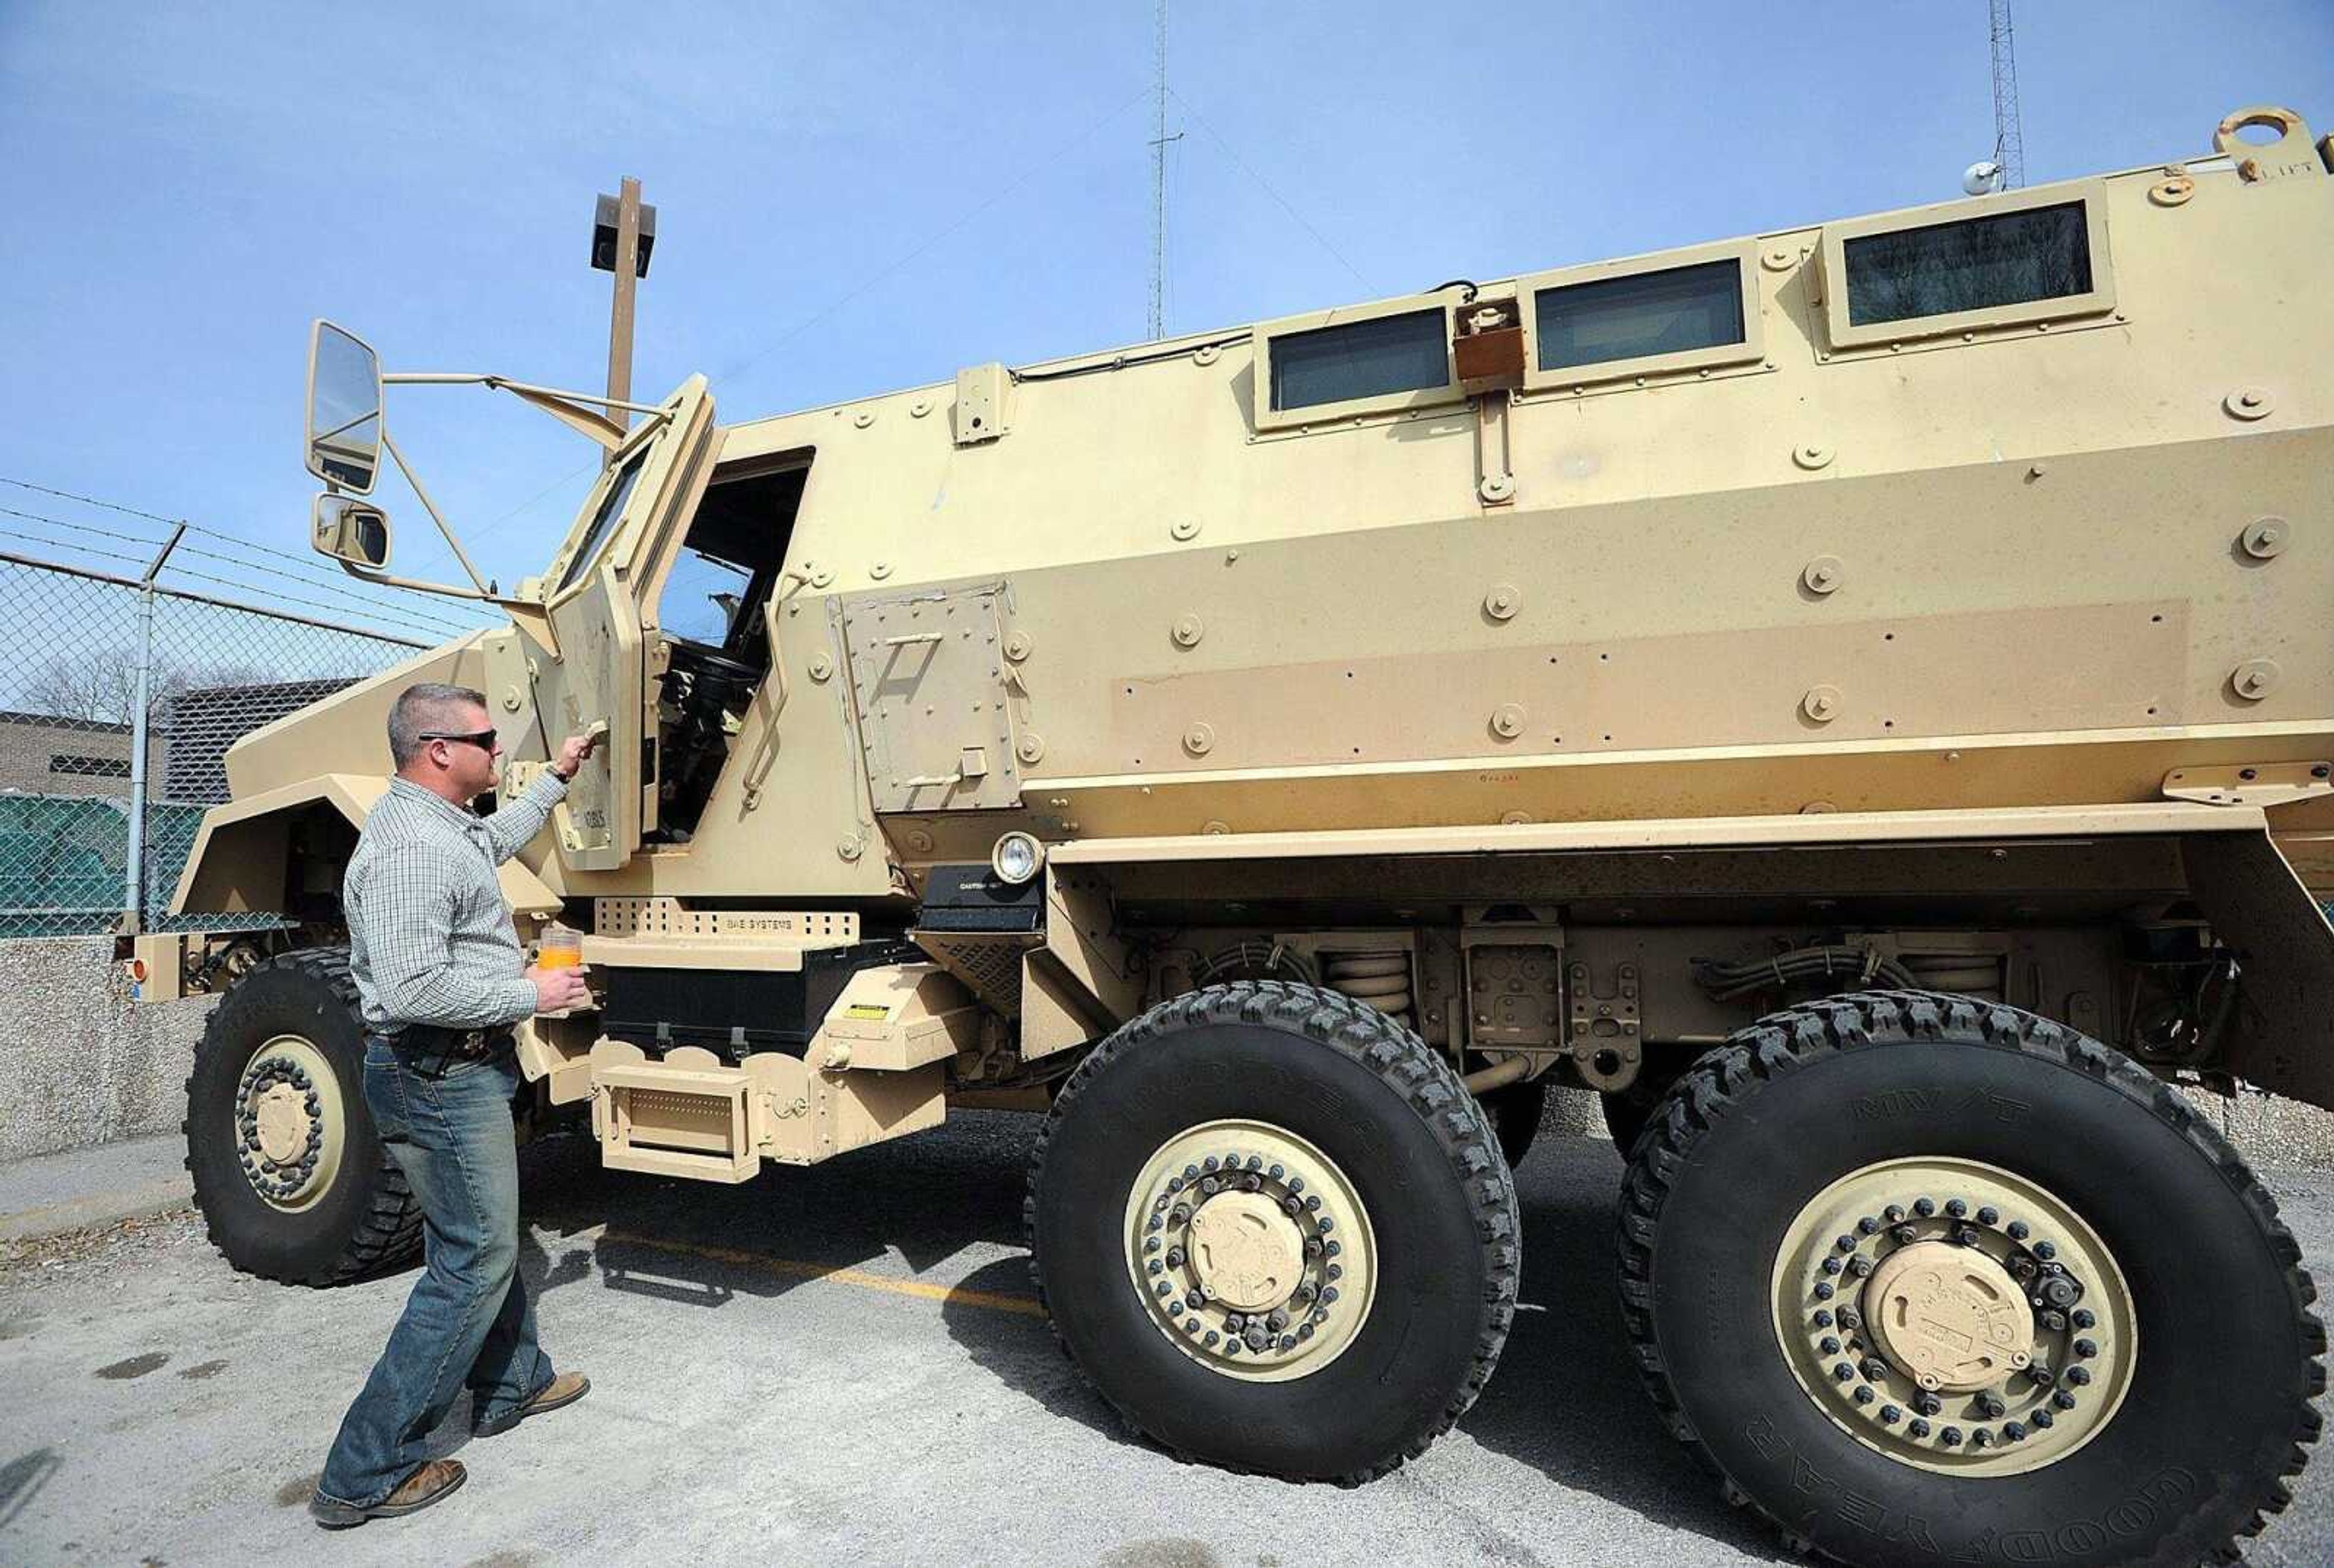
(79, 1061)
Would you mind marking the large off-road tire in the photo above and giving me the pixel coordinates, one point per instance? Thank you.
(279, 1076)
(1363, 1251)
(1781, 1175)
(1515, 1111)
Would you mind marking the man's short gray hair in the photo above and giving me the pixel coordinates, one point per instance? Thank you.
(432, 704)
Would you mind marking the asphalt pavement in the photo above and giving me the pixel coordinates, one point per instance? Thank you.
(837, 1365)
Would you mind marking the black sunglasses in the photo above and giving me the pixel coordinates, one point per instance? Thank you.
(484, 739)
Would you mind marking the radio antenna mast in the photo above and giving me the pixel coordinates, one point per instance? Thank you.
(1159, 141)
(2008, 142)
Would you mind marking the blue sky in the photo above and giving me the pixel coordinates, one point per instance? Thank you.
(853, 199)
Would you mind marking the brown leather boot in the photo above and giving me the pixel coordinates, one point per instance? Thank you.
(436, 1480)
(563, 1390)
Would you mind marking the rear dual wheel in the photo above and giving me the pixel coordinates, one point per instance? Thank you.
(1924, 1278)
(1275, 1231)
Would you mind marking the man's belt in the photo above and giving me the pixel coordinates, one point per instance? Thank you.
(468, 1044)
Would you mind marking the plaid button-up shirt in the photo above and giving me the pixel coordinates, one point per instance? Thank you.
(430, 940)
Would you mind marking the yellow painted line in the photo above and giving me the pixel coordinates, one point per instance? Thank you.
(831, 1274)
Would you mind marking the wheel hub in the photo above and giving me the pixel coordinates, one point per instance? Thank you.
(1251, 1250)
(1954, 1316)
(1949, 1317)
(289, 1128)
(1245, 1252)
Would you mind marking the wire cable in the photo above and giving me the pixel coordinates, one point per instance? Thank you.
(1266, 185)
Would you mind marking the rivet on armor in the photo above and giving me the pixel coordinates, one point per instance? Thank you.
(2267, 537)
(1198, 737)
(863, 418)
(2254, 679)
(1019, 645)
(1507, 720)
(2250, 403)
(850, 849)
(1186, 528)
(1030, 748)
(1811, 457)
(1503, 601)
(1821, 704)
(1823, 575)
(821, 666)
(1187, 631)
(920, 840)
(880, 570)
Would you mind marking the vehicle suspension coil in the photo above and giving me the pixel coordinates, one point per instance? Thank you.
(1381, 979)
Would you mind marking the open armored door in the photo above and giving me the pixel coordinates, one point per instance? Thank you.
(597, 675)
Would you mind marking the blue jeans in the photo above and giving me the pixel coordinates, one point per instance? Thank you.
(469, 1323)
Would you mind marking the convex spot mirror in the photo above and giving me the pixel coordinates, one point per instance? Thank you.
(350, 530)
(343, 409)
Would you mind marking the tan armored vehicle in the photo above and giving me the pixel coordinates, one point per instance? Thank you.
(1859, 697)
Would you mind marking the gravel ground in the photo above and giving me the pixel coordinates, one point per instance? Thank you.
(837, 1365)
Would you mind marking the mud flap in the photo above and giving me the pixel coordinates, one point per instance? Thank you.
(2284, 1028)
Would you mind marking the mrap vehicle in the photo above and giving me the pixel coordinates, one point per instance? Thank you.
(1860, 697)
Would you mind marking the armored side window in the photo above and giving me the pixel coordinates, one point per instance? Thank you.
(1409, 352)
(1999, 261)
(1974, 265)
(1695, 310)
(1359, 360)
(1672, 311)
(603, 520)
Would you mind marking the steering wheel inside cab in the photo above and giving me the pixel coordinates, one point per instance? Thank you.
(706, 676)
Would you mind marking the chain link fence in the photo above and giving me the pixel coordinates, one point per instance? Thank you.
(118, 703)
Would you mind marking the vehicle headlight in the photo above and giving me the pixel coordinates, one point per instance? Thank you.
(1017, 858)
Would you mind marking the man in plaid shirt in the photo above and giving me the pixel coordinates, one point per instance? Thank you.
(441, 978)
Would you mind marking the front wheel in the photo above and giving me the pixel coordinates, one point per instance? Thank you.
(1922, 1278)
(1273, 1229)
(287, 1169)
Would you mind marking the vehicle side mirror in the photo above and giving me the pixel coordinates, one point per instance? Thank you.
(343, 409)
(352, 531)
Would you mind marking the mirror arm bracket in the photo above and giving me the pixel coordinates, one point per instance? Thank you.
(454, 542)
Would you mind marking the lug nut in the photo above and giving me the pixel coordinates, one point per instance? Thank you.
(1256, 1162)
(1277, 1320)
(1256, 1337)
(1210, 1187)
(1296, 1184)
(1980, 1438)
(1906, 1234)
(1991, 1407)
(1305, 1331)
(2043, 1376)
(1174, 1256)
(1989, 1215)
(2042, 1417)
(1327, 1225)
(1231, 1347)
(1864, 1394)
(1312, 1246)
(1288, 1342)
(2080, 1377)
(1155, 1266)
(1849, 1318)
(1191, 1173)
(1253, 1184)
(1967, 1236)
(1194, 1300)
(2015, 1431)
(1859, 1265)
(1927, 1404)
(1290, 1206)
(2063, 1400)
(1276, 1173)
(1925, 1207)
(1823, 1290)
(1827, 1346)
(1823, 1319)
(2018, 1231)
(1235, 1322)
(1874, 1368)
(1190, 1325)
(1211, 1340)
(1335, 1271)
(1846, 1244)
(1313, 1201)
(1174, 1183)
(1155, 1223)
(1163, 1289)
(1890, 1415)
(1329, 1295)
(2046, 1250)
(1867, 1225)
(2083, 1318)
(1207, 1164)
(1950, 1436)
(2086, 1348)
(1919, 1429)
(1843, 1372)
(1332, 1247)
(1179, 1214)
(1831, 1266)
(1956, 1207)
